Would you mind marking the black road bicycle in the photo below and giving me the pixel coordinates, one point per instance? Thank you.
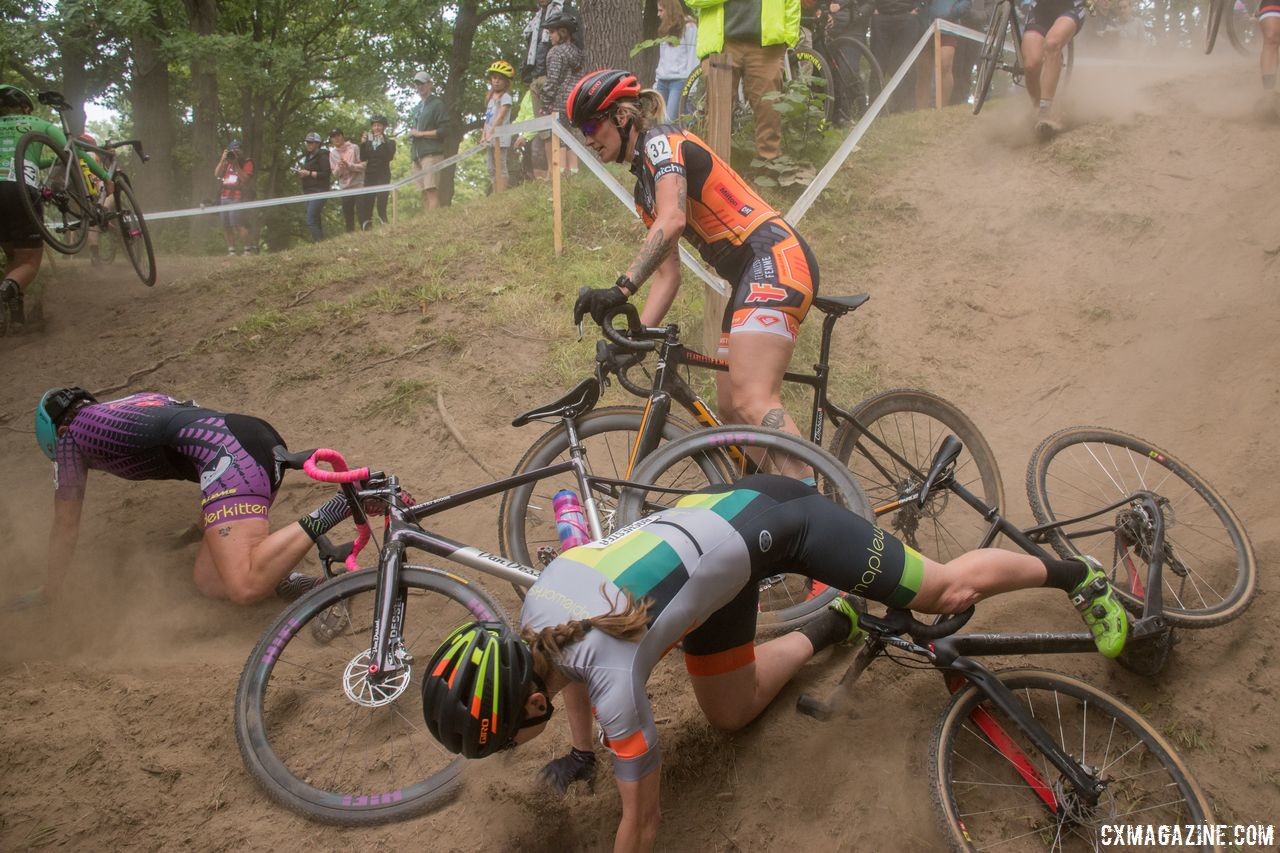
(1241, 18)
(328, 711)
(887, 441)
(1004, 22)
(65, 204)
(1033, 759)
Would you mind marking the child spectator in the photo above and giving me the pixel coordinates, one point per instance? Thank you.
(564, 67)
(675, 61)
(497, 112)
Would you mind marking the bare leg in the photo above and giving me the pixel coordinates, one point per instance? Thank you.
(733, 699)
(21, 265)
(1033, 59)
(1060, 34)
(1270, 57)
(954, 586)
(240, 561)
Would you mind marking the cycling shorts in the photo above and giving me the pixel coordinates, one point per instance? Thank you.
(1044, 13)
(776, 288)
(1269, 9)
(807, 534)
(16, 228)
(240, 478)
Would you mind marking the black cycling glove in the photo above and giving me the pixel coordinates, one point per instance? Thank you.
(577, 766)
(597, 302)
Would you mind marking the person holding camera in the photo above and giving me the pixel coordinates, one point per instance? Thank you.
(377, 151)
(234, 174)
(315, 173)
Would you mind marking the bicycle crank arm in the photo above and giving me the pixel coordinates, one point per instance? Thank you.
(840, 700)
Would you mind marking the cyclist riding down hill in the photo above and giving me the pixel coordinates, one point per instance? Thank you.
(602, 615)
(683, 188)
(150, 436)
(23, 247)
(1050, 26)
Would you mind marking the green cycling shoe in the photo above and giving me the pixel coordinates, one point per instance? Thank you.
(1102, 612)
(847, 607)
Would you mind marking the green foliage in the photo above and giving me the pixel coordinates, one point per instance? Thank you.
(802, 105)
(640, 47)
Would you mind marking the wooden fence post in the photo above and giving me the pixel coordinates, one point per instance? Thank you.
(937, 65)
(717, 76)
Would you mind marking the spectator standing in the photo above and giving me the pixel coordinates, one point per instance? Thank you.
(947, 10)
(755, 35)
(315, 173)
(534, 74)
(428, 125)
(344, 160)
(675, 61)
(377, 151)
(234, 174)
(564, 67)
(497, 112)
(895, 27)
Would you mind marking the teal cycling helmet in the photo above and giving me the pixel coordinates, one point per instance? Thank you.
(14, 98)
(53, 405)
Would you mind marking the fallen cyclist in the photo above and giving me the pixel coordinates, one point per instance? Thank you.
(602, 615)
(152, 436)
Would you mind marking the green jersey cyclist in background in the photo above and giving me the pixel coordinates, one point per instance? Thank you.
(20, 237)
(602, 615)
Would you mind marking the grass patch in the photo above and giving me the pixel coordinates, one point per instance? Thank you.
(400, 402)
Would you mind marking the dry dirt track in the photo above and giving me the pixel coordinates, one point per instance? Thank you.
(1133, 286)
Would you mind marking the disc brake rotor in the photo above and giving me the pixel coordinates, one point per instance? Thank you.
(362, 690)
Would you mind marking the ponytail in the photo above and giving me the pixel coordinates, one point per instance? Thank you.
(629, 624)
(646, 111)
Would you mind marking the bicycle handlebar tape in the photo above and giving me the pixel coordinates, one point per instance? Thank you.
(340, 472)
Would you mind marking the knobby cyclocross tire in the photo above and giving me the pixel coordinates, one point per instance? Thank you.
(292, 698)
(133, 233)
(914, 423)
(1209, 574)
(708, 456)
(526, 520)
(982, 801)
(1215, 21)
(860, 84)
(1242, 28)
(61, 191)
(814, 70)
(992, 52)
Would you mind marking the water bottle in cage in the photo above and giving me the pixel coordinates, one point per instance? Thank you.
(571, 519)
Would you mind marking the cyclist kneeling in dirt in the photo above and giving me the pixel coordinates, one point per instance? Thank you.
(683, 188)
(20, 237)
(602, 615)
(151, 436)
(1050, 26)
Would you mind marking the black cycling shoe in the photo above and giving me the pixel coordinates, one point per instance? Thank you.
(11, 294)
(296, 584)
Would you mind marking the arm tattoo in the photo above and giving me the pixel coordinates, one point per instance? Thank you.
(654, 251)
(774, 419)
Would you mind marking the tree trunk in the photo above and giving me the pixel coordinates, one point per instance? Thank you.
(611, 28)
(152, 118)
(464, 35)
(72, 47)
(202, 17)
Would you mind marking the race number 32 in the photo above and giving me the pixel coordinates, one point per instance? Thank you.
(659, 150)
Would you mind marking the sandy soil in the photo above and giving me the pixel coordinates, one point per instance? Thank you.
(1124, 274)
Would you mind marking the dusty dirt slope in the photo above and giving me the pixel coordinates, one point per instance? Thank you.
(1125, 274)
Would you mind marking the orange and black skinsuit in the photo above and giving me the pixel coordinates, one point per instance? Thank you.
(773, 273)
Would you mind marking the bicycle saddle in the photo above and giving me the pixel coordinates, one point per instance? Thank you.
(579, 401)
(55, 100)
(839, 305)
(286, 461)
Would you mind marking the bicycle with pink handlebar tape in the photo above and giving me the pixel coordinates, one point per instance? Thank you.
(328, 710)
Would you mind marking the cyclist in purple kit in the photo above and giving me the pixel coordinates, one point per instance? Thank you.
(151, 436)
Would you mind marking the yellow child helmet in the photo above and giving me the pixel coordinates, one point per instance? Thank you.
(504, 68)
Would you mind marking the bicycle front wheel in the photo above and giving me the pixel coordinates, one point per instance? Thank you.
(814, 71)
(526, 520)
(913, 424)
(994, 790)
(57, 199)
(1208, 570)
(859, 78)
(693, 101)
(1242, 27)
(1215, 21)
(992, 53)
(133, 232)
(319, 735)
(725, 454)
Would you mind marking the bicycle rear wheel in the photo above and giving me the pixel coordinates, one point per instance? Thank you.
(323, 739)
(1215, 21)
(913, 424)
(859, 78)
(57, 199)
(981, 764)
(1208, 574)
(133, 232)
(992, 52)
(526, 520)
(1242, 27)
(724, 455)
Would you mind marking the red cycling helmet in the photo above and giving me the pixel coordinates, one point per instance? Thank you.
(597, 92)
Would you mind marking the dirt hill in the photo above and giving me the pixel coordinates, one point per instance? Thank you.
(1124, 274)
